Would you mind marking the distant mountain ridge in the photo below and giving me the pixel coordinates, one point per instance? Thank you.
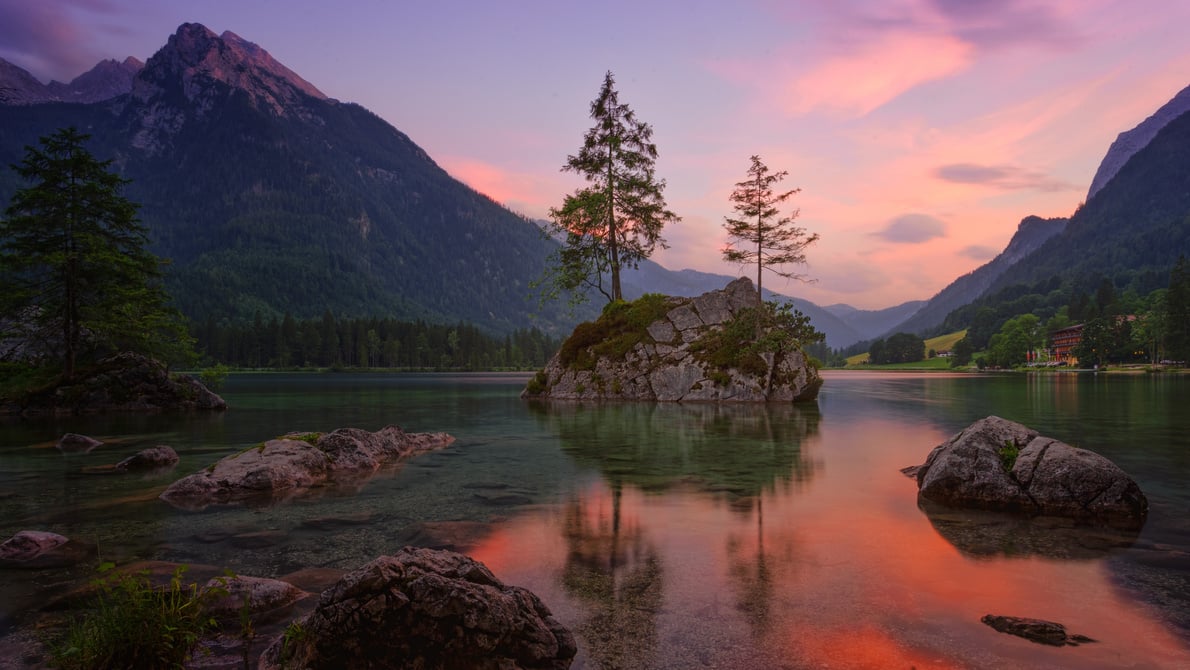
(1030, 234)
(107, 80)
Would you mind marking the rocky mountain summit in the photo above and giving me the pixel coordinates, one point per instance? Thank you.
(670, 349)
(1129, 142)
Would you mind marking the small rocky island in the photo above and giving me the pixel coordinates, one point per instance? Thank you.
(997, 464)
(671, 349)
(124, 382)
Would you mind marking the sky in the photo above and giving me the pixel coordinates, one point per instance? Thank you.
(920, 132)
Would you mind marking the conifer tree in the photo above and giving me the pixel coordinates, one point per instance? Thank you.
(616, 220)
(78, 279)
(760, 235)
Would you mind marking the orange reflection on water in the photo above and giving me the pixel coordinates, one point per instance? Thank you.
(842, 572)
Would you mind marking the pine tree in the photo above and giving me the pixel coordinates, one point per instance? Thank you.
(616, 221)
(78, 279)
(760, 235)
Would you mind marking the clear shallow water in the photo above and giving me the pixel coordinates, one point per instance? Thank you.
(671, 536)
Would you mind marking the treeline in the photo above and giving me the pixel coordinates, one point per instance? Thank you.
(899, 348)
(376, 343)
(1117, 327)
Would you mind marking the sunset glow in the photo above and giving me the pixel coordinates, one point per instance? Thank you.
(964, 116)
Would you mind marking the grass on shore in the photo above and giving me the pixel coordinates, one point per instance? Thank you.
(941, 343)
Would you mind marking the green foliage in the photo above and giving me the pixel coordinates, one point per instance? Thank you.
(79, 282)
(621, 327)
(773, 328)
(214, 376)
(1008, 454)
(538, 384)
(134, 624)
(1177, 312)
(616, 220)
(18, 380)
(961, 354)
(759, 234)
(1016, 339)
(309, 438)
(899, 348)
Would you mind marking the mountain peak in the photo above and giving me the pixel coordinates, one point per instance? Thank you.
(1129, 142)
(196, 56)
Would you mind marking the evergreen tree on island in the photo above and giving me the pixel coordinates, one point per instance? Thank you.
(78, 281)
(760, 235)
(616, 220)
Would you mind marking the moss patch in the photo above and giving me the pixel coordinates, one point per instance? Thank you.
(621, 327)
(1008, 454)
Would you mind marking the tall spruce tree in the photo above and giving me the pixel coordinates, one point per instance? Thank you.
(616, 220)
(78, 280)
(760, 235)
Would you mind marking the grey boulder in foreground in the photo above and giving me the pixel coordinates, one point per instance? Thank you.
(425, 609)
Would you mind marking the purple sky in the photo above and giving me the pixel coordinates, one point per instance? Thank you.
(920, 131)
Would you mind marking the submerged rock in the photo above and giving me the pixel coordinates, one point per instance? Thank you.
(75, 443)
(666, 349)
(159, 457)
(1035, 630)
(35, 550)
(295, 462)
(424, 609)
(997, 464)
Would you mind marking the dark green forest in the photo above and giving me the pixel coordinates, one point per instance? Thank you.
(330, 342)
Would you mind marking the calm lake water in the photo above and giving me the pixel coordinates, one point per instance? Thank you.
(671, 536)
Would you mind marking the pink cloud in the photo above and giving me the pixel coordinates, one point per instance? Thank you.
(874, 73)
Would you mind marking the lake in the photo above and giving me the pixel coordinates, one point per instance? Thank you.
(673, 536)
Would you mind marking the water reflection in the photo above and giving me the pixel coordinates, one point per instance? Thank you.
(729, 450)
(982, 534)
(618, 575)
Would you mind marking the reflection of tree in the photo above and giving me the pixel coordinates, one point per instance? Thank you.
(737, 450)
(751, 576)
(611, 567)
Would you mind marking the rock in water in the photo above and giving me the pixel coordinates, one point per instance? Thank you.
(425, 609)
(1035, 630)
(1001, 465)
(673, 350)
(153, 458)
(73, 442)
(35, 550)
(294, 462)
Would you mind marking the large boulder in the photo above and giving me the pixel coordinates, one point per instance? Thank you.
(1002, 465)
(295, 462)
(425, 609)
(673, 351)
